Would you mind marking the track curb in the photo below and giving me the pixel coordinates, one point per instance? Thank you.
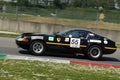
(85, 63)
(94, 64)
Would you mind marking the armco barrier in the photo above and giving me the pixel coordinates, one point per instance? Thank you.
(24, 26)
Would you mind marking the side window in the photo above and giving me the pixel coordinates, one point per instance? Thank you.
(74, 34)
(83, 34)
(67, 34)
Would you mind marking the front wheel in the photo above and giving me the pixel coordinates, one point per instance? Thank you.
(94, 52)
(37, 48)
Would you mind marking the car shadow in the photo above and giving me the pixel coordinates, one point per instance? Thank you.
(109, 59)
(70, 55)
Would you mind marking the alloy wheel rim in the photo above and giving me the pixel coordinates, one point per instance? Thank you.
(38, 48)
(95, 52)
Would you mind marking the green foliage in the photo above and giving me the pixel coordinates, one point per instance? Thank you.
(107, 4)
(23, 2)
(59, 4)
(77, 3)
(1, 2)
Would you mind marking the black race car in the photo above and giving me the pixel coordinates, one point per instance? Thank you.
(86, 42)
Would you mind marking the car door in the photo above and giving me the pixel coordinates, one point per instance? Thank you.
(77, 39)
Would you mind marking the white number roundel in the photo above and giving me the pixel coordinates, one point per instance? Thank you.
(75, 42)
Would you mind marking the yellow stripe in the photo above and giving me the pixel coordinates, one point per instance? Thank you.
(62, 44)
(58, 44)
(83, 46)
(110, 48)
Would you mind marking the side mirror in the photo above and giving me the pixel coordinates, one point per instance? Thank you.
(70, 36)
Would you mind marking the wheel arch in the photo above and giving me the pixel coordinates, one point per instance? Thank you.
(95, 44)
(38, 40)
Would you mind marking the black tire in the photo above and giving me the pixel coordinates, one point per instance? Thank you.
(37, 48)
(95, 52)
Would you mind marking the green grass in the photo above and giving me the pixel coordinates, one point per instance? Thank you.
(34, 70)
(9, 35)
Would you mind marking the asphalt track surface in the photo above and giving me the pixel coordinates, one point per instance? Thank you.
(8, 46)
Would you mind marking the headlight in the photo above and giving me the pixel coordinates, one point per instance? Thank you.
(24, 39)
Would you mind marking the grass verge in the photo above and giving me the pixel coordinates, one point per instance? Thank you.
(65, 21)
(73, 22)
(9, 35)
(35, 70)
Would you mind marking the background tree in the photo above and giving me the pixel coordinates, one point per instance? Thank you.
(59, 4)
(77, 3)
(23, 3)
(107, 4)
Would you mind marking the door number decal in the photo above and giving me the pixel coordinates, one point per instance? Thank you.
(75, 43)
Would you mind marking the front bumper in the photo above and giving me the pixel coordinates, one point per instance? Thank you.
(23, 43)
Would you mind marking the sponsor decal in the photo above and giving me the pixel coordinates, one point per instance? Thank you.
(50, 38)
(96, 41)
(75, 43)
(58, 39)
(36, 37)
(66, 39)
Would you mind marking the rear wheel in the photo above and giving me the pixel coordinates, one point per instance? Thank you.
(37, 48)
(94, 52)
